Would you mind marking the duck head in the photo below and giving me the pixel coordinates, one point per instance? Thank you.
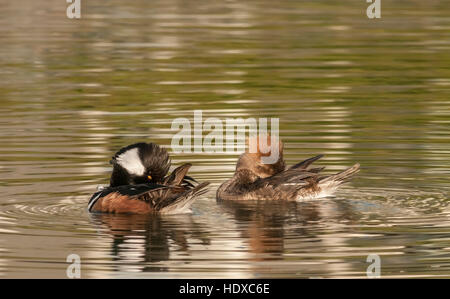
(256, 151)
(139, 163)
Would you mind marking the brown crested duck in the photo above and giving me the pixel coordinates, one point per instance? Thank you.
(256, 180)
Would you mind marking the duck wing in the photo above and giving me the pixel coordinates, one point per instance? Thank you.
(290, 177)
(182, 193)
(179, 177)
(180, 202)
(282, 186)
(178, 174)
(306, 163)
(246, 185)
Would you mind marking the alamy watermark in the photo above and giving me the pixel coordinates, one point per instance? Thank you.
(374, 269)
(234, 130)
(73, 11)
(74, 268)
(374, 9)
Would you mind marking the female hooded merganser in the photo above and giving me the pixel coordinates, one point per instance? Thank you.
(254, 180)
(139, 184)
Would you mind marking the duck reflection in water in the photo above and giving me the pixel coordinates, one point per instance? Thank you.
(142, 240)
(270, 226)
(262, 223)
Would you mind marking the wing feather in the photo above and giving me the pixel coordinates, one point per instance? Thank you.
(304, 164)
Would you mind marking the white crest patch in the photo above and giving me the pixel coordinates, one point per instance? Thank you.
(131, 162)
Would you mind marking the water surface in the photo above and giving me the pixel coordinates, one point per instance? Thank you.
(72, 92)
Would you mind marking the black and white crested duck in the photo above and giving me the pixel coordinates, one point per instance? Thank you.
(140, 184)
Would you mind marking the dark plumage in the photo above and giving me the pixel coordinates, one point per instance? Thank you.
(139, 183)
(254, 180)
(154, 158)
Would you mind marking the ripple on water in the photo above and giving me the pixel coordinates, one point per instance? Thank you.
(65, 110)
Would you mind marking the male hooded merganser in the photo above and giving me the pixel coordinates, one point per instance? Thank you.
(254, 180)
(139, 184)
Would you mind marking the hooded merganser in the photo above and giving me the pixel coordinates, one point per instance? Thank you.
(139, 184)
(254, 180)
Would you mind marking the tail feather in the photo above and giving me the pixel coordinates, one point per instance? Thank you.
(341, 177)
(183, 202)
(328, 185)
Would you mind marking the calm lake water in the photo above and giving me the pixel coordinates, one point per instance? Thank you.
(72, 92)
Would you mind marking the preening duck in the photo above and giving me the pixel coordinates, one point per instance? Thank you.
(255, 180)
(140, 184)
